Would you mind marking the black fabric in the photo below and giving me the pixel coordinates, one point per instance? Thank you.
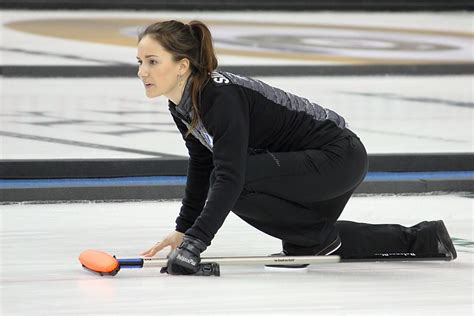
(200, 165)
(361, 240)
(186, 258)
(283, 164)
(234, 120)
(298, 197)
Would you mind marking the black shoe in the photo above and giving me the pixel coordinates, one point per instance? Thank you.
(445, 244)
(324, 251)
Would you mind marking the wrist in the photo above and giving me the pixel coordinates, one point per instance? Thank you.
(182, 225)
(193, 244)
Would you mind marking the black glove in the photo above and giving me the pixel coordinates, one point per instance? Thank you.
(186, 259)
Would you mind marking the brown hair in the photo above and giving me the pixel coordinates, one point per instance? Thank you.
(194, 42)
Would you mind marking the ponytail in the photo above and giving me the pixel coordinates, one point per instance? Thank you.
(194, 42)
(207, 63)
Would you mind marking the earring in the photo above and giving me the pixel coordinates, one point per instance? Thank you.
(180, 80)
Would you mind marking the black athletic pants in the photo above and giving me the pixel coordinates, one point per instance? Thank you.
(298, 197)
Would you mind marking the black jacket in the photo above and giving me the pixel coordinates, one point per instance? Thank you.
(239, 114)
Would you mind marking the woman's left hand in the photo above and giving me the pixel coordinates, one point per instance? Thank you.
(186, 259)
(173, 240)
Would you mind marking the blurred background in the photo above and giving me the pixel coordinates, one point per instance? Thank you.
(400, 72)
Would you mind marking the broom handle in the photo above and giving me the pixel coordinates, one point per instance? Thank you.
(256, 260)
(266, 260)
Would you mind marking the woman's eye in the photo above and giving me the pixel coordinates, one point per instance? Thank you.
(139, 62)
(153, 62)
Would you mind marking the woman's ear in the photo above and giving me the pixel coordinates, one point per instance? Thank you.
(184, 65)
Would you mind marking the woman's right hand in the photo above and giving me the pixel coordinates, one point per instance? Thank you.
(173, 240)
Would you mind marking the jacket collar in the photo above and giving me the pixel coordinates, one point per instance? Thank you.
(184, 107)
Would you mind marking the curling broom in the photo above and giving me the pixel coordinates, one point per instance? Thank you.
(105, 264)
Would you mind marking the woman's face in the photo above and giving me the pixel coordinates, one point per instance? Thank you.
(157, 69)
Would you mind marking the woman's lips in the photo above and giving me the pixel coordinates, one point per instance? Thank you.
(148, 85)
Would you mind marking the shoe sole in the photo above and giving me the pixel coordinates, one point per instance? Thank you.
(286, 268)
(298, 268)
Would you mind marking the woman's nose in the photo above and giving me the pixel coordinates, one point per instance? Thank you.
(142, 72)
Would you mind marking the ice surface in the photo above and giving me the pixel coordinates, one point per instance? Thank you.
(40, 273)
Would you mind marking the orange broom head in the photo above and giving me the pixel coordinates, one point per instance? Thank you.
(98, 261)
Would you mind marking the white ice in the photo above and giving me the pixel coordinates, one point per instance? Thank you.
(41, 275)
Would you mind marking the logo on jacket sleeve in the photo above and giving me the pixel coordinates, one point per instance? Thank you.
(219, 78)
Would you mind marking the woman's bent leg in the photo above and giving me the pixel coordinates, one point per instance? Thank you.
(303, 231)
(297, 196)
(425, 239)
